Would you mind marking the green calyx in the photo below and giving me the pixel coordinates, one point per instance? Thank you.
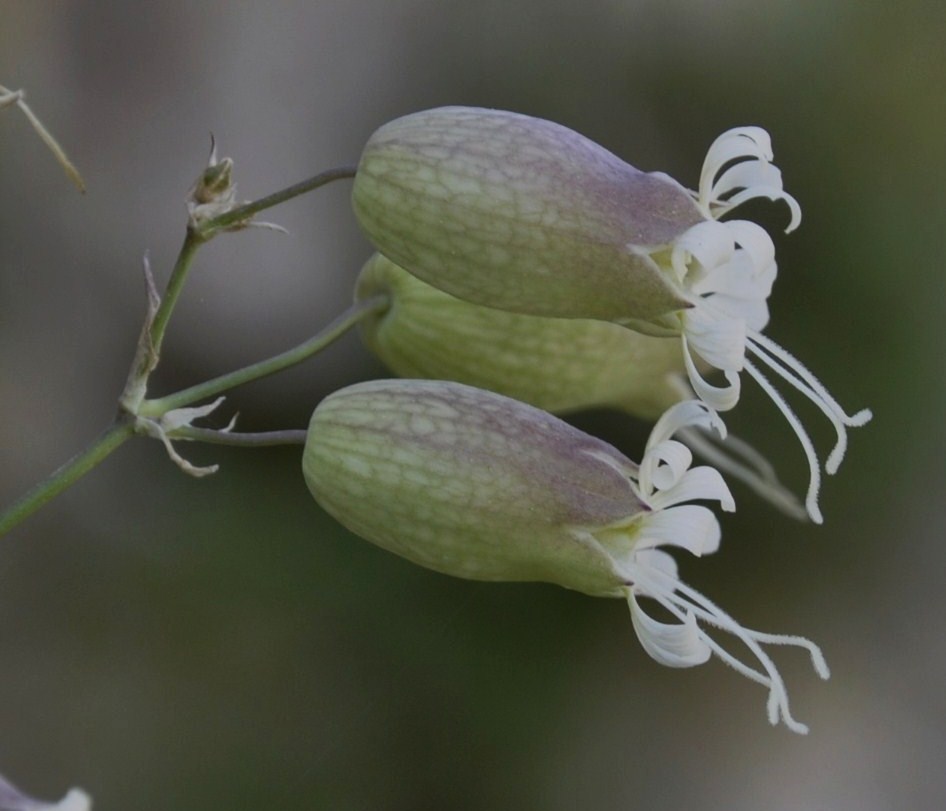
(556, 364)
(470, 483)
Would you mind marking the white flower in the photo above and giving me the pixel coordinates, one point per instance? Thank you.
(727, 269)
(665, 480)
(477, 485)
(524, 215)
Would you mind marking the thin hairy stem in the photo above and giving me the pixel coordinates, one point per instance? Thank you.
(73, 470)
(9, 97)
(262, 439)
(182, 266)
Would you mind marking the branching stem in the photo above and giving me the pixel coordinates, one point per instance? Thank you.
(278, 363)
(136, 411)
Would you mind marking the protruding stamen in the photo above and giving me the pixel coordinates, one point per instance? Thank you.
(735, 457)
(728, 270)
(685, 645)
(814, 468)
(788, 367)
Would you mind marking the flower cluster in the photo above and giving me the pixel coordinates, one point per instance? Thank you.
(518, 214)
(529, 271)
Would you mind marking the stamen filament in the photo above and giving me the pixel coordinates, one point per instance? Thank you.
(681, 600)
(794, 372)
(814, 467)
(840, 445)
(778, 695)
(736, 458)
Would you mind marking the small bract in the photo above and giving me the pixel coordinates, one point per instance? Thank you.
(481, 486)
(521, 214)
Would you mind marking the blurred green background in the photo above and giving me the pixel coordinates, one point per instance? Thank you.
(177, 644)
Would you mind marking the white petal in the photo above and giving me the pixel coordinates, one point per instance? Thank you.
(710, 243)
(746, 175)
(737, 168)
(753, 239)
(665, 460)
(753, 312)
(679, 415)
(670, 644)
(12, 799)
(717, 337)
(770, 193)
(720, 398)
(735, 144)
(665, 463)
(689, 527)
(700, 484)
(655, 561)
(739, 286)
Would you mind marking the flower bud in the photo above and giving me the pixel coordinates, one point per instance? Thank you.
(480, 486)
(214, 191)
(520, 214)
(556, 364)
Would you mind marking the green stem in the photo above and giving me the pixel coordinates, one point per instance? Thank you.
(292, 357)
(244, 212)
(149, 351)
(242, 440)
(197, 235)
(175, 285)
(68, 474)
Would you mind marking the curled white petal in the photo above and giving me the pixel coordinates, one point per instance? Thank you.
(690, 527)
(701, 248)
(738, 168)
(663, 465)
(664, 476)
(12, 799)
(720, 398)
(680, 415)
(699, 484)
(669, 643)
(665, 482)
